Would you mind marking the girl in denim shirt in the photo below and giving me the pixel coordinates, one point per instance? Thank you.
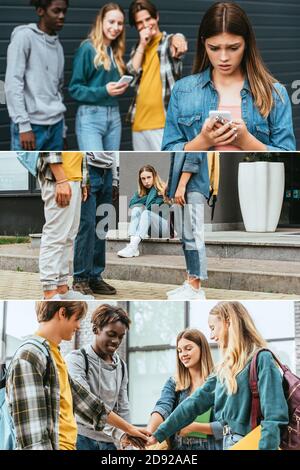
(98, 66)
(194, 364)
(146, 211)
(229, 75)
(228, 389)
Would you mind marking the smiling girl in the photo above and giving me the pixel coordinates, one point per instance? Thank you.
(229, 75)
(228, 389)
(98, 66)
(194, 365)
(144, 215)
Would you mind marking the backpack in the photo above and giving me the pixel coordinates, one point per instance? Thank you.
(7, 429)
(87, 366)
(30, 161)
(290, 435)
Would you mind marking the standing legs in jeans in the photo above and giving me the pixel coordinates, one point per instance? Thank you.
(98, 128)
(89, 255)
(189, 225)
(141, 221)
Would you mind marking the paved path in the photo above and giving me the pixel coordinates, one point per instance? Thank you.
(22, 285)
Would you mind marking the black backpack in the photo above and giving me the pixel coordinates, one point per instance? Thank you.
(87, 366)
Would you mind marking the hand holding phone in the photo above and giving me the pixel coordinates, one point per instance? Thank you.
(220, 116)
(125, 79)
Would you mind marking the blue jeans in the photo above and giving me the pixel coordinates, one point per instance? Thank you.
(195, 443)
(89, 252)
(143, 219)
(189, 225)
(86, 443)
(98, 128)
(47, 137)
(230, 439)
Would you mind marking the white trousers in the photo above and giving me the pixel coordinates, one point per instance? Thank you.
(147, 140)
(58, 236)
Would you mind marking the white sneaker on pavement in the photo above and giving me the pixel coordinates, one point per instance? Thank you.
(188, 293)
(75, 295)
(55, 297)
(172, 292)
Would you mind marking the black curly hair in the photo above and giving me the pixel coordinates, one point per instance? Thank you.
(43, 3)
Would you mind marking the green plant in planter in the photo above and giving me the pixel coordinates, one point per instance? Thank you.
(262, 157)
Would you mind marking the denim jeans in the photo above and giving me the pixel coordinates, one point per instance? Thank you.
(89, 253)
(86, 443)
(47, 137)
(98, 128)
(230, 439)
(195, 443)
(189, 225)
(143, 219)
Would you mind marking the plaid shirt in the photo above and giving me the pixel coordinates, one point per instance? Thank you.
(48, 158)
(35, 406)
(170, 71)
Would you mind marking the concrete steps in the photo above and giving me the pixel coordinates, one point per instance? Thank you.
(258, 275)
(279, 250)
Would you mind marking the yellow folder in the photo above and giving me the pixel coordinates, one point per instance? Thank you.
(250, 441)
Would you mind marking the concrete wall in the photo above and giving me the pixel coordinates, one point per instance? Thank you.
(227, 208)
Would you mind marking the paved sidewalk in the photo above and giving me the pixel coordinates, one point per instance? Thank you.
(22, 285)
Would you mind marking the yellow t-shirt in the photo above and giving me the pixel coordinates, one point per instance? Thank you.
(150, 113)
(67, 421)
(72, 165)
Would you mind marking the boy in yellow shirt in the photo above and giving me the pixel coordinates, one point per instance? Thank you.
(63, 180)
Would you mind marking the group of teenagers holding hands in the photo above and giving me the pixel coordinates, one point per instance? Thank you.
(80, 401)
(230, 102)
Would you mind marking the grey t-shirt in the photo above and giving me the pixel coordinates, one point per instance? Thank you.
(106, 160)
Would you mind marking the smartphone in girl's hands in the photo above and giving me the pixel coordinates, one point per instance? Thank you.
(220, 116)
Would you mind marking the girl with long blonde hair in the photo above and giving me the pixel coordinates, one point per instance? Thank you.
(252, 110)
(98, 67)
(228, 389)
(193, 365)
(145, 213)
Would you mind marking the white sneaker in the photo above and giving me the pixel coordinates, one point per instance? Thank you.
(75, 295)
(55, 297)
(172, 292)
(128, 252)
(188, 293)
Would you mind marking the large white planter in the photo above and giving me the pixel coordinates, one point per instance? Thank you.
(261, 189)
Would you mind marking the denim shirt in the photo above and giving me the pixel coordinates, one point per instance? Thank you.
(194, 96)
(190, 162)
(170, 399)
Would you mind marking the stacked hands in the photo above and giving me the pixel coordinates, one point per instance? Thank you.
(139, 438)
(218, 131)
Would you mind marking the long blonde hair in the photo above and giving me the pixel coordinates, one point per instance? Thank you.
(227, 17)
(157, 181)
(243, 340)
(96, 37)
(183, 377)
